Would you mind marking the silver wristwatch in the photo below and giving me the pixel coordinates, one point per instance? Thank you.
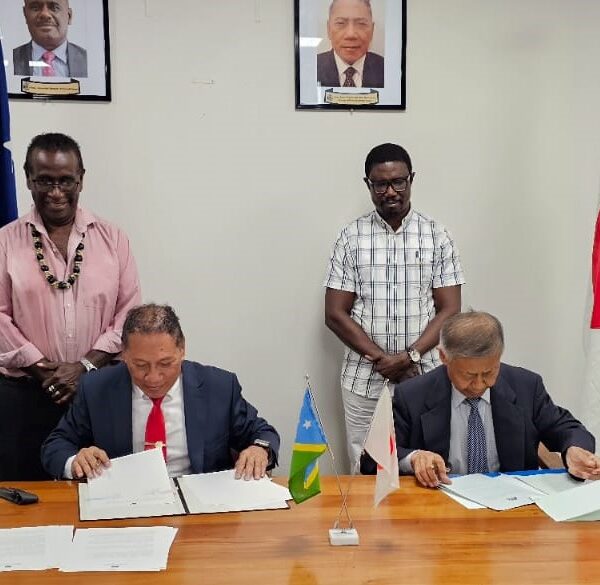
(262, 443)
(87, 364)
(414, 355)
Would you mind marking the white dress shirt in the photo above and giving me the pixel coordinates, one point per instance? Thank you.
(178, 461)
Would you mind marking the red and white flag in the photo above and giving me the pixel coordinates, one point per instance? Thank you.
(591, 390)
(381, 446)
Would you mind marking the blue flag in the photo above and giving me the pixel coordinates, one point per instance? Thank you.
(8, 191)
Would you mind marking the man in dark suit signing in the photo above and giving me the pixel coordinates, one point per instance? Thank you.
(195, 413)
(474, 414)
(349, 63)
(49, 51)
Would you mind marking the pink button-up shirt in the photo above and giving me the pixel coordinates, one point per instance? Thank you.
(39, 321)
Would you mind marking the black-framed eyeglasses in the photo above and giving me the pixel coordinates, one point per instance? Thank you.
(65, 184)
(398, 184)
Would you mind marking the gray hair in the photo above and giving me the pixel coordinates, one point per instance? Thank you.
(151, 318)
(367, 3)
(473, 334)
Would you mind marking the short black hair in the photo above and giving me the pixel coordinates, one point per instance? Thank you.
(52, 142)
(151, 318)
(386, 153)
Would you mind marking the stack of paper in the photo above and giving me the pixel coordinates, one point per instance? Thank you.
(120, 549)
(34, 549)
(221, 492)
(134, 486)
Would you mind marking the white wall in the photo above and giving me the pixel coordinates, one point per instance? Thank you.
(232, 199)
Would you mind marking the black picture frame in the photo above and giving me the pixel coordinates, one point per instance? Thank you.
(384, 67)
(86, 74)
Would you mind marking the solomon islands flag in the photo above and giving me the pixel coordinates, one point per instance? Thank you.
(310, 444)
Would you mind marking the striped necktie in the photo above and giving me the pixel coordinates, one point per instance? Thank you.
(476, 446)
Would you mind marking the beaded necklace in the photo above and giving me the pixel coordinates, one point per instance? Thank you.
(50, 278)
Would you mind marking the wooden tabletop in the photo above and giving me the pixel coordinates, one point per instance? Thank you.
(416, 536)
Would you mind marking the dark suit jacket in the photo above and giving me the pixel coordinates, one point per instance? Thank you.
(522, 411)
(76, 60)
(328, 76)
(217, 419)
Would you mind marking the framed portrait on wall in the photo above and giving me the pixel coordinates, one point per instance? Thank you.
(56, 49)
(350, 54)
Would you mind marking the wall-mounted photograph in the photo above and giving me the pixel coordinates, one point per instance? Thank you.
(350, 54)
(56, 49)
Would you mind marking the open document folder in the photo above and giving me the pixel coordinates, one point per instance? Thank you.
(138, 486)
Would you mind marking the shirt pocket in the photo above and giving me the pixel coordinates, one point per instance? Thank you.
(99, 286)
(419, 270)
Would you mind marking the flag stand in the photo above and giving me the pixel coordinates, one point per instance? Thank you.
(338, 535)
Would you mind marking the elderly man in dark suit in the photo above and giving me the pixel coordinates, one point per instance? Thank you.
(350, 63)
(475, 414)
(195, 413)
(53, 55)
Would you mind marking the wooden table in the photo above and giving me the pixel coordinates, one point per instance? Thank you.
(416, 536)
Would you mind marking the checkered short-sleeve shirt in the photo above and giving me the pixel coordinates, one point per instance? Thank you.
(393, 275)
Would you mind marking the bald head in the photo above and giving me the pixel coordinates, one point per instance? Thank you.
(474, 334)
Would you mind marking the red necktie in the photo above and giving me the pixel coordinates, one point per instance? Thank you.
(156, 432)
(48, 58)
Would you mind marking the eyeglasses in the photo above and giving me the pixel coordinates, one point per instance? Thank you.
(65, 184)
(398, 184)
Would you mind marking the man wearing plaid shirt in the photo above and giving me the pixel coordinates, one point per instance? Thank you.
(394, 277)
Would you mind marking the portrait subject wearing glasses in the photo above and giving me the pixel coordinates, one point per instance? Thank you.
(67, 281)
(349, 63)
(49, 53)
(394, 276)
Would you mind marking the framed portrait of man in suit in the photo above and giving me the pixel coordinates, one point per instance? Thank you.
(56, 49)
(350, 54)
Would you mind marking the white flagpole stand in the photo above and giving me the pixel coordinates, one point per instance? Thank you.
(338, 535)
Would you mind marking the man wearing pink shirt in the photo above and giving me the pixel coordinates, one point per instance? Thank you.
(67, 280)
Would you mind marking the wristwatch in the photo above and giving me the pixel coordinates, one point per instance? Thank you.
(262, 443)
(87, 364)
(267, 447)
(414, 355)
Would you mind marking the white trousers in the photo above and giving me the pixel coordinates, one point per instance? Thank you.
(358, 412)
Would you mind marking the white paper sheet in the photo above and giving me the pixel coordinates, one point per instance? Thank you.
(108, 510)
(580, 503)
(120, 549)
(140, 478)
(498, 493)
(464, 502)
(34, 548)
(221, 492)
(550, 483)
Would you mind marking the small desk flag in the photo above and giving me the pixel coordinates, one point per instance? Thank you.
(8, 193)
(310, 444)
(381, 446)
(591, 382)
